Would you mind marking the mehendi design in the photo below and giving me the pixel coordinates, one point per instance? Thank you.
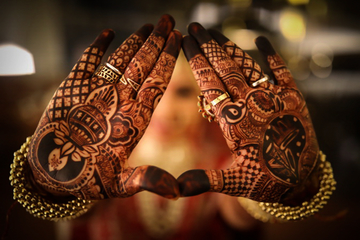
(123, 55)
(268, 129)
(227, 70)
(205, 77)
(249, 67)
(154, 87)
(90, 127)
(140, 67)
(274, 128)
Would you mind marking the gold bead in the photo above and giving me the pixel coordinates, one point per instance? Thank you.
(307, 208)
(33, 202)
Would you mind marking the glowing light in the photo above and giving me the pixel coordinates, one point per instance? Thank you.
(15, 60)
(292, 25)
(242, 37)
(319, 71)
(206, 13)
(298, 2)
(240, 3)
(321, 60)
(317, 8)
(299, 67)
(322, 48)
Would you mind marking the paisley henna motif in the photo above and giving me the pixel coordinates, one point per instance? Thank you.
(267, 128)
(91, 126)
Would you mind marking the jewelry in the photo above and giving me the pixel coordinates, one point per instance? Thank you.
(32, 201)
(109, 72)
(131, 82)
(277, 212)
(205, 109)
(219, 98)
(162, 217)
(261, 80)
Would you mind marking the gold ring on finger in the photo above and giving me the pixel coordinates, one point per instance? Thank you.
(205, 109)
(219, 98)
(261, 80)
(131, 82)
(109, 72)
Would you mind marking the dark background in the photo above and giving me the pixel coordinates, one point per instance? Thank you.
(56, 32)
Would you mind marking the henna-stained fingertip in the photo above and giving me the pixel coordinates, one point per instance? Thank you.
(193, 182)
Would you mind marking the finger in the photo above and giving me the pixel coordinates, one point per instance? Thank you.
(228, 71)
(237, 181)
(92, 56)
(249, 67)
(197, 181)
(127, 50)
(142, 63)
(210, 84)
(152, 179)
(155, 85)
(277, 65)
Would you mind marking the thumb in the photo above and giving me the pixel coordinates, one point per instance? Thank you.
(197, 181)
(152, 179)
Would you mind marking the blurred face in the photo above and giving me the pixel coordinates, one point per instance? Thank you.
(177, 113)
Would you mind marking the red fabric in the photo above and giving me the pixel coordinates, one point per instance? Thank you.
(119, 219)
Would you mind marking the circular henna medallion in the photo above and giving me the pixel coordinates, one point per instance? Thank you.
(48, 152)
(284, 141)
(122, 130)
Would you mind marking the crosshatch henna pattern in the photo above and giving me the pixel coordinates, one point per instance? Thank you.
(267, 128)
(91, 125)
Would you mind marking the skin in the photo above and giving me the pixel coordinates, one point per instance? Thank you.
(267, 128)
(90, 127)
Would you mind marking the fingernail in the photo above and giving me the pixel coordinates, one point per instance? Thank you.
(190, 46)
(264, 46)
(104, 39)
(199, 33)
(173, 44)
(145, 31)
(219, 37)
(165, 25)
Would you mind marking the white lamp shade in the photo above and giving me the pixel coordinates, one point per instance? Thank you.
(15, 61)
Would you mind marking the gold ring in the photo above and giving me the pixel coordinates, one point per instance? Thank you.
(261, 80)
(205, 109)
(131, 82)
(219, 98)
(109, 72)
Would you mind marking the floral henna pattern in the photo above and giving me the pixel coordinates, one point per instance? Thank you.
(268, 129)
(89, 129)
(150, 96)
(123, 55)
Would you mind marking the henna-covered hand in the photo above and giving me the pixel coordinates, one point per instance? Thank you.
(267, 128)
(90, 127)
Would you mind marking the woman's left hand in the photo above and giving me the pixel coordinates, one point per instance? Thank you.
(266, 125)
(95, 119)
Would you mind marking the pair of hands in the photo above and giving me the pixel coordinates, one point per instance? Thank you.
(90, 127)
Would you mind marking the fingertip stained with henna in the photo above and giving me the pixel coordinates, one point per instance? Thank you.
(164, 26)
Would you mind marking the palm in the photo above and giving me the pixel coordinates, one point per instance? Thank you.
(91, 124)
(267, 128)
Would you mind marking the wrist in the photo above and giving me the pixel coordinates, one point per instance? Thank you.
(48, 194)
(34, 202)
(278, 212)
(306, 190)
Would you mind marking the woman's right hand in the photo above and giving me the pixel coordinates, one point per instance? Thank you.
(267, 126)
(93, 122)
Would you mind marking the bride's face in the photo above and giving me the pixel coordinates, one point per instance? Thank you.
(177, 113)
